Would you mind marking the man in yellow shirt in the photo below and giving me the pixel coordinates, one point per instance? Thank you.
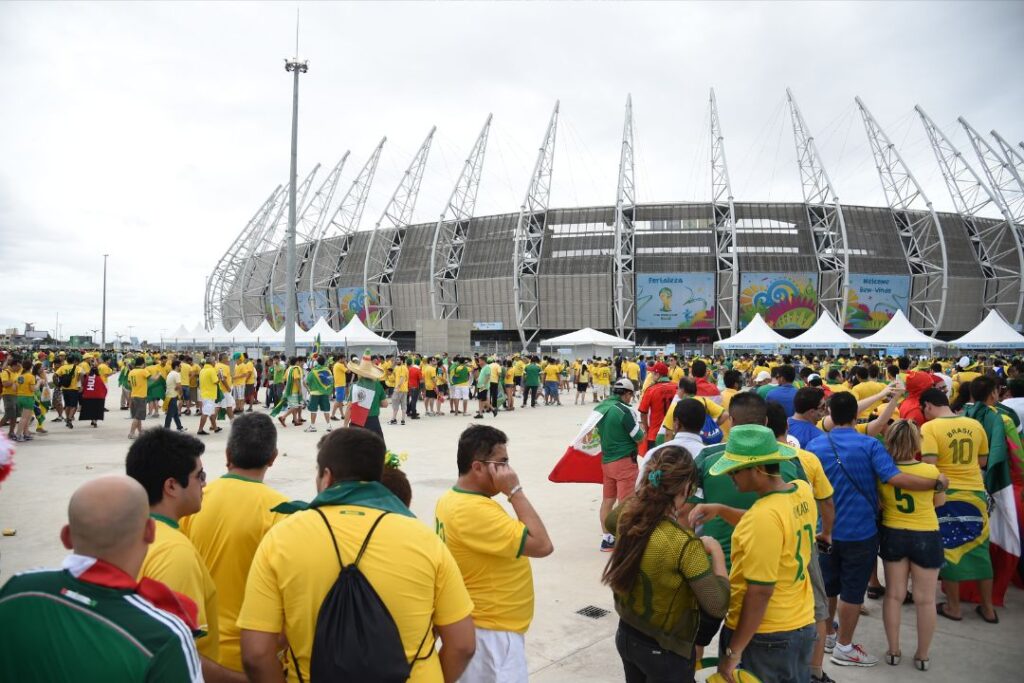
(492, 550)
(409, 567)
(769, 629)
(551, 372)
(430, 386)
(169, 466)
(239, 375)
(208, 386)
(24, 398)
(235, 516)
(12, 368)
(185, 369)
(138, 381)
(867, 385)
(340, 385)
(226, 385)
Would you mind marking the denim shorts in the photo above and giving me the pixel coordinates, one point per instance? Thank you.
(781, 657)
(923, 548)
(847, 570)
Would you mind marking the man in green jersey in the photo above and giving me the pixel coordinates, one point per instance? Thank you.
(90, 620)
(531, 381)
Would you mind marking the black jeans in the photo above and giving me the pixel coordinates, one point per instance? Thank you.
(172, 414)
(644, 661)
(532, 393)
(414, 397)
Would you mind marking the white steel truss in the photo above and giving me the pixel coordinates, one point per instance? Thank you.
(262, 254)
(723, 218)
(991, 243)
(334, 240)
(451, 231)
(1012, 155)
(624, 283)
(920, 231)
(308, 226)
(1005, 192)
(221, 301)
(529, 238)
(385, 245)
(825, 218)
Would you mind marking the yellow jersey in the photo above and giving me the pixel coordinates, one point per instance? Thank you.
(821, 487)
(713, 409)
(407, 564)
(865, 390)
(24, 385)
(226, 532)
(772, 546)
(9, 376)
(172, 560)
(340, 374)
(138, 380)
(487, 544)
(208, 383)
(551, 372)
(913, 510)
(956, 443)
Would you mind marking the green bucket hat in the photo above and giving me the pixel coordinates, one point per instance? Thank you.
(748, 446)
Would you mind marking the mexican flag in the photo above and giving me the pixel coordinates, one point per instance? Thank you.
(1005, 513)
(581, 463)
(363, 393)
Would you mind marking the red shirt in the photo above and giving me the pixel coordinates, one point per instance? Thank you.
(706, 388)
(655, 403)
(415, 376)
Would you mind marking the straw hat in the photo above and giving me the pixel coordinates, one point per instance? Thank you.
(365, 368)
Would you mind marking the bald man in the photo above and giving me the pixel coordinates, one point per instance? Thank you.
(90, 620)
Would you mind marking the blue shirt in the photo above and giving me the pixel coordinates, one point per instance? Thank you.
(865, 461)
(803, 431)
(783, 395)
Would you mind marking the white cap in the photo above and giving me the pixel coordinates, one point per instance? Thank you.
(963, 362)
(763, 376)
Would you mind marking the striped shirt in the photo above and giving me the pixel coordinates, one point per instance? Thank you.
(60, 628)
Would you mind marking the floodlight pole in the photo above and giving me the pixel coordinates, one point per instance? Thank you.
(295, 67)
(103, 336)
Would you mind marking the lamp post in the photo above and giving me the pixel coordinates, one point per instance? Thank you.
(103, 337)
(295, 67)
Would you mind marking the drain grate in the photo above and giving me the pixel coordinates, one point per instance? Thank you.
(593, 612)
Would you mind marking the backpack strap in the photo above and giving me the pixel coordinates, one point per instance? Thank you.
(334, 541)
(366, 541)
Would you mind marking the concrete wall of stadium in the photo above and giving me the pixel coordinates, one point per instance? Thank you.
(576, 265)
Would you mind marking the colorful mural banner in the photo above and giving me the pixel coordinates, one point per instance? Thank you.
(786, 301)
(352, 303)
(312, 307)
(874, 299)
(275, 310)
(677, 301)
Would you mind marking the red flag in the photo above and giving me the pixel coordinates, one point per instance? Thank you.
(581, 463)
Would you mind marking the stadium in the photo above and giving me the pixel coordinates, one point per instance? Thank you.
(680, 272)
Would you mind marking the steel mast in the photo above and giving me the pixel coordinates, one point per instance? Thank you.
(825, 217)
(225, 276)
(624, 256)
(451, 231)
(382, 253)
(334, 240)
(529, 238)
(993, 245)
(1011, 154)
(920, 231)
(723, 223)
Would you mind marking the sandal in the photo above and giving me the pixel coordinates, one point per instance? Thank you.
(981, 613)
(893, 659)
(921, 664)
(942, 613)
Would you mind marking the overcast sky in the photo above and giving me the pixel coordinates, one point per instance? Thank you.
(152, 131)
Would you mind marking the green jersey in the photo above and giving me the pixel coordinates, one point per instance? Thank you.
(619, 429)
(531, 375)
(63, 629)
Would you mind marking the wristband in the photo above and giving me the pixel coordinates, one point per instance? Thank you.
(515, 489)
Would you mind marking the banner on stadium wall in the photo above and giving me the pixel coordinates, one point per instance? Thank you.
(874, 299)
(353, 301)
(312, 307)
(786, 301)
(275, 310)
(677, 301)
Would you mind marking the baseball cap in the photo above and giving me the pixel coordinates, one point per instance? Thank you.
(660, 368)
(763, 376)
(623, 385)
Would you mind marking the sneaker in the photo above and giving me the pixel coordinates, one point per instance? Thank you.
(824, 678)
(402, 422)
(392, 422)
(830, 643)
(182, 429)
(857, 656)
(328, 427)
(203, 432)
(607, 546)
(310, 428)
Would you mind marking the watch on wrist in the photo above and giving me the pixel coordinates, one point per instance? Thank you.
(939, 488)
(515, 489)
(732, 654)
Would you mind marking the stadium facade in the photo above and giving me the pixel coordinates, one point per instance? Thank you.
(656, 273)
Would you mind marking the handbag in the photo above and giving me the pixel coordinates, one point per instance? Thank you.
(878, 510)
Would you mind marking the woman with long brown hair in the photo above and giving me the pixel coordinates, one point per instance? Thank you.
(662, 575)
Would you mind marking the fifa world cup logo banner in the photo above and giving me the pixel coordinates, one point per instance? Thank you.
(786, 301)
(676, 301)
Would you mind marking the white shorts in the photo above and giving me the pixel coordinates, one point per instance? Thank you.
(460, 393)
(500, 658)
(602, 390)
(238, 392)
(227, 401)
(209, 406)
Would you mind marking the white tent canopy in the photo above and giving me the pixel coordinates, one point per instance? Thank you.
(328, 335)
(825, 333)
(991, 333)
(588, 337)
(356, 333)
(218, 334)
(755, 336)
(240, 333)
(898, 332)
(181, 334)
(199, 332)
